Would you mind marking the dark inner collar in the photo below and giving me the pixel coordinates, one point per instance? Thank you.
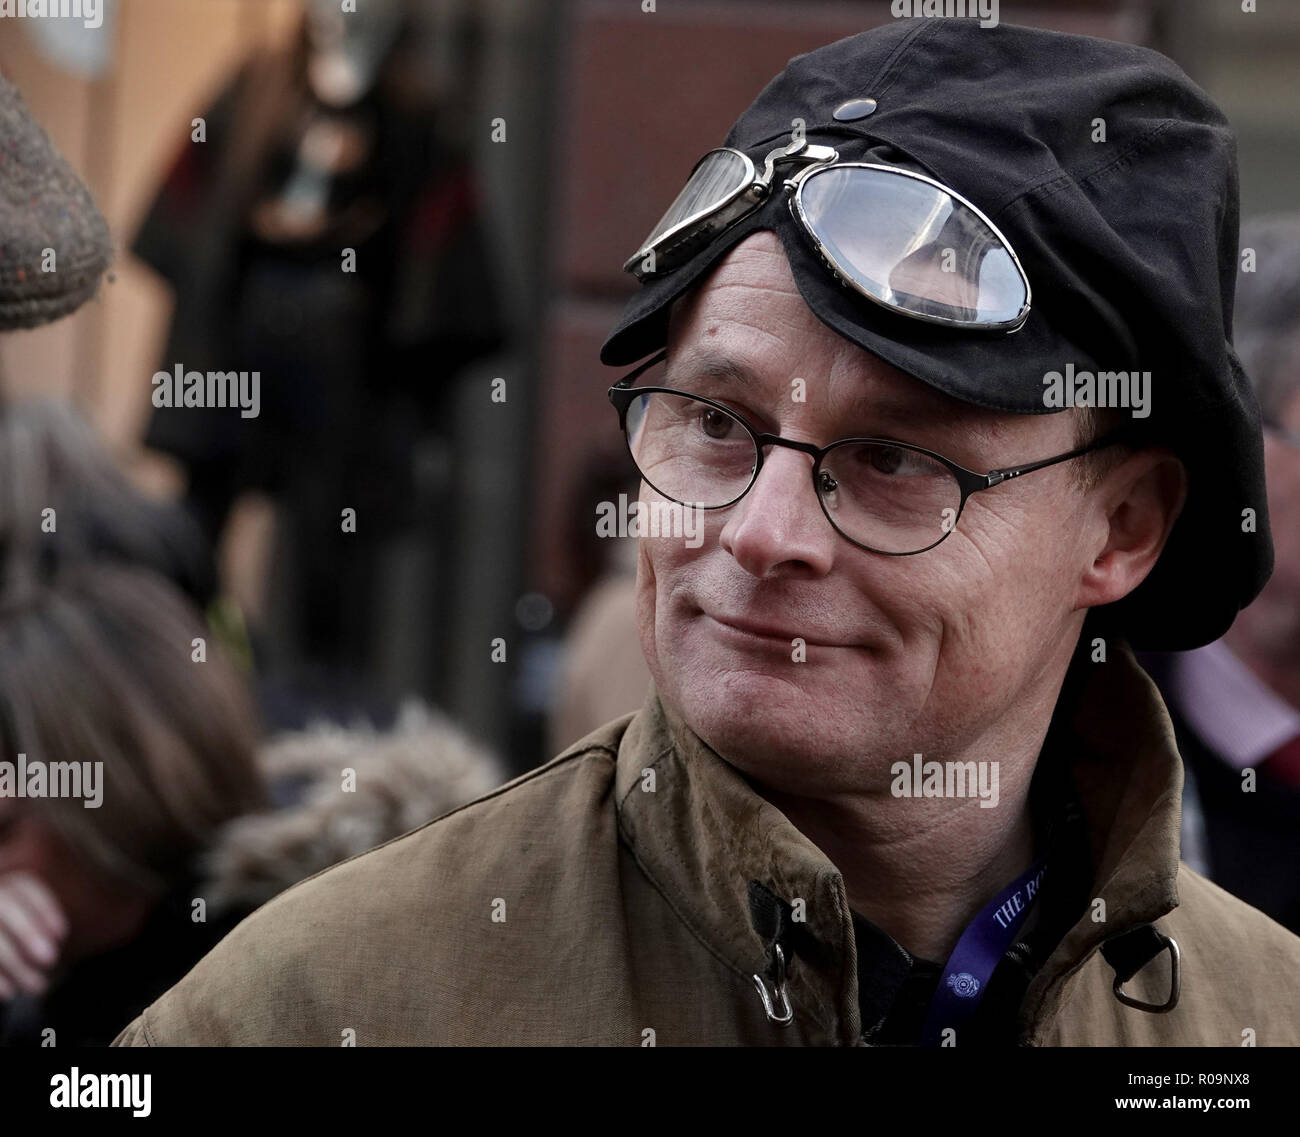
(895, 987)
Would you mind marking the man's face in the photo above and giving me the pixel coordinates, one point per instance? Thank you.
(927, 653)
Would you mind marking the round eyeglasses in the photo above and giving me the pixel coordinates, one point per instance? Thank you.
(883, 495)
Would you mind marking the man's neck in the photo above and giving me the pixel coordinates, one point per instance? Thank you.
(920, 869)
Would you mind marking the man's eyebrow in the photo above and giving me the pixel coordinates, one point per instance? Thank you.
(709, 365)
(712, 365)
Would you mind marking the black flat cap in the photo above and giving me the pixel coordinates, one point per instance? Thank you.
(1114, 178)
(43, 206)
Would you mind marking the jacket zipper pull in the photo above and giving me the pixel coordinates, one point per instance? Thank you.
(777, 1005)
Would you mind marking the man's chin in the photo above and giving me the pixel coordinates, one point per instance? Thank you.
(753, 716)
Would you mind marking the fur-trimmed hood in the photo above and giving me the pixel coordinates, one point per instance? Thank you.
(340, 791)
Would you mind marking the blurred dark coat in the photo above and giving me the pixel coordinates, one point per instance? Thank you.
(421, 304)
(357, 368)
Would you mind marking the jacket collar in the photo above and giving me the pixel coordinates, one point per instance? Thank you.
(706, 838)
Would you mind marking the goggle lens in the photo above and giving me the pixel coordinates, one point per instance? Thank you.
(718, 178)
(911, 245)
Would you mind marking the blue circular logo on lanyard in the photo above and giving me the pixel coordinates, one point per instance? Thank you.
(964, 985)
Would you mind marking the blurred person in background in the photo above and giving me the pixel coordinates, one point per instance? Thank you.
(97, 907)
(325, 233)
(52, 459)
(1235, 703)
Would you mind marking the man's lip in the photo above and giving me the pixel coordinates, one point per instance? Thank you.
(765, 630)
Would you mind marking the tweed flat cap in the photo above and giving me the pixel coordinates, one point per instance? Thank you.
(43, 206)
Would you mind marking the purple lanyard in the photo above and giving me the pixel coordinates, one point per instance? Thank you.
(978, 952)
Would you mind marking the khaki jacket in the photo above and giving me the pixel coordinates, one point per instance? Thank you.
(573, 906)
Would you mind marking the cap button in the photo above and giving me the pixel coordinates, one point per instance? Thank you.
(854, 109)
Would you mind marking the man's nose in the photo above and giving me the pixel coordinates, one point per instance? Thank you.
(779, 525)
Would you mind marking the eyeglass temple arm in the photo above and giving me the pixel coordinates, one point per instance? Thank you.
(993, 477)
(631, 378)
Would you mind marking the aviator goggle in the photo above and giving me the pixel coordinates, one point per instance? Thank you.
(899, 238)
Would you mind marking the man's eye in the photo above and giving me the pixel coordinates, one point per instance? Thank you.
(894, 460)
(715, 424)
(888, 461)
(883, 459)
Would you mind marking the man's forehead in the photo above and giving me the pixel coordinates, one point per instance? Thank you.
(757, 264)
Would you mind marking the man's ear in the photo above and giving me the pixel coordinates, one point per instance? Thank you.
(1141, 498)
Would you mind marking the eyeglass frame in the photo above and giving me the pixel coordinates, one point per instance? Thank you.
(622, 393)
(704, 225)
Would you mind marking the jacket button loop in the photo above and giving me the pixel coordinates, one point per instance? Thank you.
(778, 1009)
(1126, 970)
